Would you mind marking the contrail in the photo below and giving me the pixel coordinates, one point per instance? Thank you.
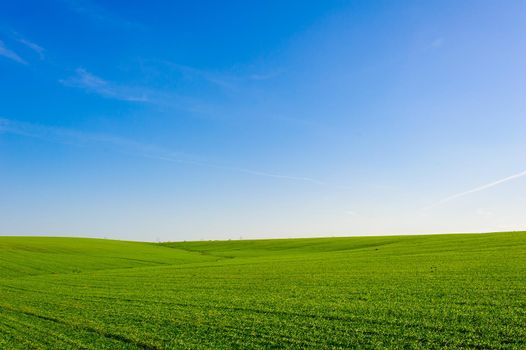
(67, 136)
(477, 189)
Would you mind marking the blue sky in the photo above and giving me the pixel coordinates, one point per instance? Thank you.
(214, 120)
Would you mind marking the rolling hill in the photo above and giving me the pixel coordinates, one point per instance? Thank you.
(435, 291)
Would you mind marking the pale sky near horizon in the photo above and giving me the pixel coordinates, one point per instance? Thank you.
(174, 120)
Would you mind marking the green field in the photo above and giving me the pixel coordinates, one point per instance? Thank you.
(441, 291)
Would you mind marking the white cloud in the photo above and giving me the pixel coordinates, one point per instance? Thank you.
(5, 52)
(92, 83)
(477, 189)
(37, 48)
(226, 80)
(72, 137)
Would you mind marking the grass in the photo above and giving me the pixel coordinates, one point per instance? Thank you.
(442, 291)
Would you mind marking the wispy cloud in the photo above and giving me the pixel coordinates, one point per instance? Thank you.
(477, 189)
(63, 135)
(172, 95)
(219, 79)
(169, 85)
(227, 80)
(92, 83)
(131, 147)
(276, 176)
(31, 45)
(5, 52)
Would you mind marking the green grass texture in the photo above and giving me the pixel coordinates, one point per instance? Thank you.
(402, 292)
